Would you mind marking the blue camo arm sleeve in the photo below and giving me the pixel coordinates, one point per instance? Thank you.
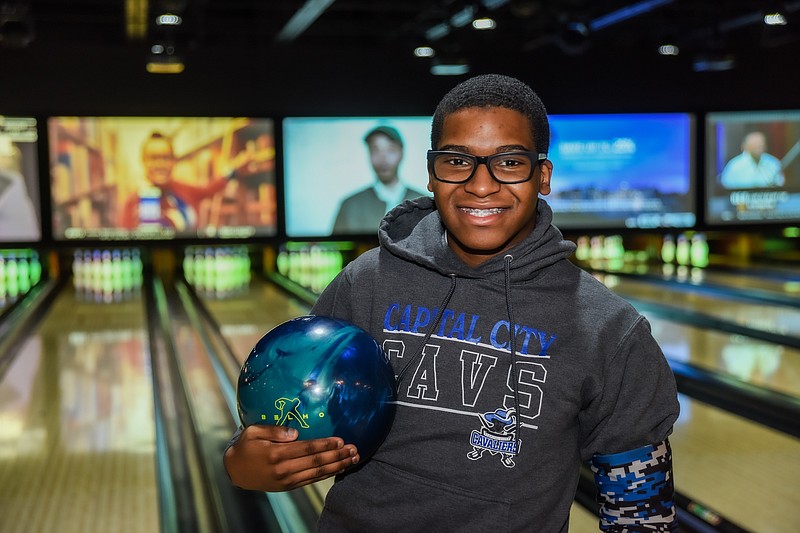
(636, 489)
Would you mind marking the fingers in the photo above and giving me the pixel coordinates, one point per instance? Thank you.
(271, 458)
(308, 469)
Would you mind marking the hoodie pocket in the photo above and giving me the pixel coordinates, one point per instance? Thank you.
(380, 497)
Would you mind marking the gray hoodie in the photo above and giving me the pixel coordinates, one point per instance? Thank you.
(479, 443)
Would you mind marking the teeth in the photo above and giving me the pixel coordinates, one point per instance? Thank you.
(483, 212)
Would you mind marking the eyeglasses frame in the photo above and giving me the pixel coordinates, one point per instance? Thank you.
(537, 157)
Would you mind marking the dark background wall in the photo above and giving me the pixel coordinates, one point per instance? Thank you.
(223, 80)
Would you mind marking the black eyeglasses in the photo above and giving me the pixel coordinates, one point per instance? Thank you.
(508, 167)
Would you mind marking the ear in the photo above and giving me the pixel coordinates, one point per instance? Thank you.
(430, 182)
(545, 173)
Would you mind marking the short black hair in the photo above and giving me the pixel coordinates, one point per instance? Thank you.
(494, 90)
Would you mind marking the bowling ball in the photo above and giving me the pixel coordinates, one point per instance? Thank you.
(322, 376)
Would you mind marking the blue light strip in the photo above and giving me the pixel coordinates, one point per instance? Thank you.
(626, 13)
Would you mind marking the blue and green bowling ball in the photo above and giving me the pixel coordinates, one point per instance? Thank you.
(322, 376)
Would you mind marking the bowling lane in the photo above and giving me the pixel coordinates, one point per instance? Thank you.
(788, 286)
(77, 435)
(746, 472)
(785, 288)
(772, 318)
(765, 364)
(244, 317)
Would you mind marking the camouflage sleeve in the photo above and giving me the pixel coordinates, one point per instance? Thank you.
(636, 489)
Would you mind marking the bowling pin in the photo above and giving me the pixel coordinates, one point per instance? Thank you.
(582, 250)
(668, 249)
(682, 250)
(699, 250)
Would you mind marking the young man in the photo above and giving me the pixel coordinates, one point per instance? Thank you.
(513, 364)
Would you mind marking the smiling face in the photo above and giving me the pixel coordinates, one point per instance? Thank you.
(158, 160)
(483, 217)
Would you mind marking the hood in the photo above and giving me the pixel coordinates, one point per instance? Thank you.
(413, 231)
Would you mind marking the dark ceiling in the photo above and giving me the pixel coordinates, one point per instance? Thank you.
(355, 36)
(524, 27)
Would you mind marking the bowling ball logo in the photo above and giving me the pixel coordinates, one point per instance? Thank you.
(323, 377)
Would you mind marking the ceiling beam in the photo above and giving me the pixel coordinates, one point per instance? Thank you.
(302, 19)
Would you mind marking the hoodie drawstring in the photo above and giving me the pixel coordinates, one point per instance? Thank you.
(509, 310)
(511, 325)
(436, 322)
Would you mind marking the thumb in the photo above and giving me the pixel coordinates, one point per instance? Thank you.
(278, 433)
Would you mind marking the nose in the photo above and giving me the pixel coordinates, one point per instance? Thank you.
(482, 183)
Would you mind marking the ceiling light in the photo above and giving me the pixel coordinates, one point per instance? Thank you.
(463, 17)
(484, 23)
(136, 18)
(437, 32)
(774, 19)
(164, 59)
(668, 50)
(302, 19)
(168, 19)
(424, 51)
(449, 68)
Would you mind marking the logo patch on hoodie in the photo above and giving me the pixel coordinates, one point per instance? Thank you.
(497, 436)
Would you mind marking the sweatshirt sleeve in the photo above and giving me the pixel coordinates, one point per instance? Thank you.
(624, 429)
(634, 403)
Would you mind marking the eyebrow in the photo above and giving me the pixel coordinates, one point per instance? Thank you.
(497, 150)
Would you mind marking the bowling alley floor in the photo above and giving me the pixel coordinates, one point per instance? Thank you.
(77, 440)
(77, 435)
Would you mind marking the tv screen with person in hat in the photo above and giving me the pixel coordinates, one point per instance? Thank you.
(343, 174)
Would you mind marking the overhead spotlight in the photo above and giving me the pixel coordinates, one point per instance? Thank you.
(775, 18)
(168, 19)
(424, 51)
(669, 50)
(484, 23)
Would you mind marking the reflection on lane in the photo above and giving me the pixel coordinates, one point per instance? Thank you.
(744, 471)
(779, 319)
(757, 362)
(245, 318)
(76, 424)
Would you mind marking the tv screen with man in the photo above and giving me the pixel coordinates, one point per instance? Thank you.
(162, 177)
(20, 209)
(753, 167)
(343, 174)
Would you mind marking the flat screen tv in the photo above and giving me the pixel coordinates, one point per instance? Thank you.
(162, 177)
(619, 171)
(752, 167)
(335, 170)
(20, 207)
